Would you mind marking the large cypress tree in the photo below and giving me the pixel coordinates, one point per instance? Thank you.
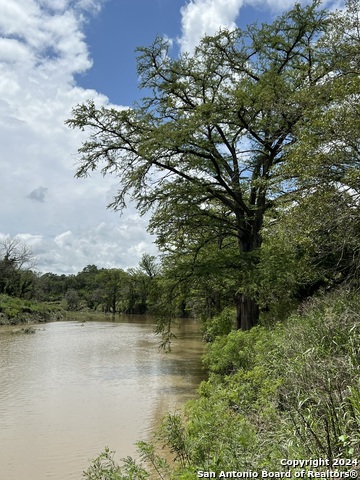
(208, 142)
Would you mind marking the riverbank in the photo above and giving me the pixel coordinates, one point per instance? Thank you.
(17, 311)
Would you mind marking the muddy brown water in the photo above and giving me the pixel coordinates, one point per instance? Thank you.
(73, 388)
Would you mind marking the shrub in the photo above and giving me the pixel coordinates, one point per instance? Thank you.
(219, 325)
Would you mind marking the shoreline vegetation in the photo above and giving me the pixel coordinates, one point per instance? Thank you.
(17, 311)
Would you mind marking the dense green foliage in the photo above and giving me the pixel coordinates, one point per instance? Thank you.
(92, 289)
(15, 310)
(16, 277)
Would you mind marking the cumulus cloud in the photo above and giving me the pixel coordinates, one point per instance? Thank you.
(205, 17)
(42, 50)
(107, 244)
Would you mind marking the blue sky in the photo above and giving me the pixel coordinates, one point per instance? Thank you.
(124, 25)
(113, 37)
(55, 54)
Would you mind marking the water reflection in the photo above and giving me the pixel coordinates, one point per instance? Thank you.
(72, 388)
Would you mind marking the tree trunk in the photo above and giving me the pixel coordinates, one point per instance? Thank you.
(247, 312)
(249, 242)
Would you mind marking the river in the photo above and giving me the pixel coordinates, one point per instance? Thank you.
(73, 388)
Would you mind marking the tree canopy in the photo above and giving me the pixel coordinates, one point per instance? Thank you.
(208, 150)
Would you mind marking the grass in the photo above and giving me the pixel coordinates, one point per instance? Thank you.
(15, 310)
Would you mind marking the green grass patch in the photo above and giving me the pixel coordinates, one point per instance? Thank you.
(15, 310)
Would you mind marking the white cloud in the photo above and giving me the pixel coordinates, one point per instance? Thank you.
(64, 220)
(206, 17)
(12, 50)
(119, 243)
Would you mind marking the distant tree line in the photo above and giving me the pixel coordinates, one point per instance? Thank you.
(99, 289)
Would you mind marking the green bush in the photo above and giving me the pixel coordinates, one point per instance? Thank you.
(15, 310)
(219, 325)
(320, 389)
(296, 385)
